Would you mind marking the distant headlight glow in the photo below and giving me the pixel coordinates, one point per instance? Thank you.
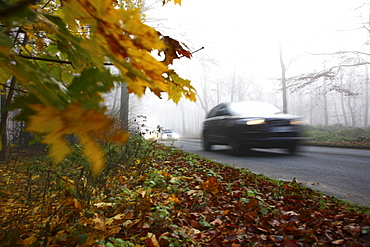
(256, 121)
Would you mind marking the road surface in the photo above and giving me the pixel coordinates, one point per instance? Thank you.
(339, 172)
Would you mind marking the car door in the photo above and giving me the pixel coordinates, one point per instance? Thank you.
(220, 123)
(209, 128)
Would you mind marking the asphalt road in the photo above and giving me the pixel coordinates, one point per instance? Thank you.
(339, 172)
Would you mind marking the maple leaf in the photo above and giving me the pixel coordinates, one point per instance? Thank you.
(172, 50)
(177, 82)
(85, 123)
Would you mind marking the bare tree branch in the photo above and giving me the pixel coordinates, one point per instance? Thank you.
(194, 51)
(342, 52)
(13, 88)
(45, 59)
(350, 65)
(68, 62)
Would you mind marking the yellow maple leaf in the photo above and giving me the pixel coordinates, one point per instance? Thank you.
(93, 153)
(85, 123)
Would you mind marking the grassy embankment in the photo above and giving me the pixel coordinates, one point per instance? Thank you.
(338, 136)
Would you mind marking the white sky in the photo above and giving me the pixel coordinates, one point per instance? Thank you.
(242, 36)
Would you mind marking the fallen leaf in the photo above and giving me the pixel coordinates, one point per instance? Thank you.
(152, 240)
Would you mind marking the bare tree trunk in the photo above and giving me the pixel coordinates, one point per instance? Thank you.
(124, 106)
(325, 104)
(115, 102)
(232, 88)
(183, 118)
(366, 115)
(352, 113)
(350, 105)
(335, 109)
(311, 106)
(240, 90)
(4, 132)
(5, 102)
(218, 93)
(283, 81)
(343, 104)
(205, 99)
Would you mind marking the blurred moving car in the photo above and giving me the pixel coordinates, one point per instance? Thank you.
(170, 135)
(245, 125)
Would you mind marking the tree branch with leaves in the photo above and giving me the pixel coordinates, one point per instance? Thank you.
(61, 65)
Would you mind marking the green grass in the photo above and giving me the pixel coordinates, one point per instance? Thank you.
(337, 135)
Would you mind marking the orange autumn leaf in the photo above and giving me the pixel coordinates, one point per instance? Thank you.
(211, 185)
(174, 199)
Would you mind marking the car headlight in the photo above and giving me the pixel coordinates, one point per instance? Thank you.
(256, 121)
(296, 122)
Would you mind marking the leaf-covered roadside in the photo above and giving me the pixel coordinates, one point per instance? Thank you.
(173, 198)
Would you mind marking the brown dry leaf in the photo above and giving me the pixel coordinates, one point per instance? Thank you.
(30, 240)
(338, 242)
(195, 192)
(77, 204)
(99, 223)
(355, 231)
(152, 240)
(253, 202)
(113, 230)
(173, 50)
(217, 222)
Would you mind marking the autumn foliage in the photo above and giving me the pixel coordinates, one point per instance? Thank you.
(58, 54)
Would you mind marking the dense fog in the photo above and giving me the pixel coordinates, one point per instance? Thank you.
(321, 102)
(325, 60)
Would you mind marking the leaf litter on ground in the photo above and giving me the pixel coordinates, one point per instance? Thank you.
(180, 200)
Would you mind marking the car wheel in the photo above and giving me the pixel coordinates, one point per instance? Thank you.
(236, 149)
(292, 149)
(207, 146)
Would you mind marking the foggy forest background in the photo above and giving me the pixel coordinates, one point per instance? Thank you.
(327, 85)
(341, 100)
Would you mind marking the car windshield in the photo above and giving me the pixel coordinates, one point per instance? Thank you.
(253, 108)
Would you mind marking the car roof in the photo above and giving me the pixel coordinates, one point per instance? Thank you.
(251, 107)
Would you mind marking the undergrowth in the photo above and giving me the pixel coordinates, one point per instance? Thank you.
(338, 135)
